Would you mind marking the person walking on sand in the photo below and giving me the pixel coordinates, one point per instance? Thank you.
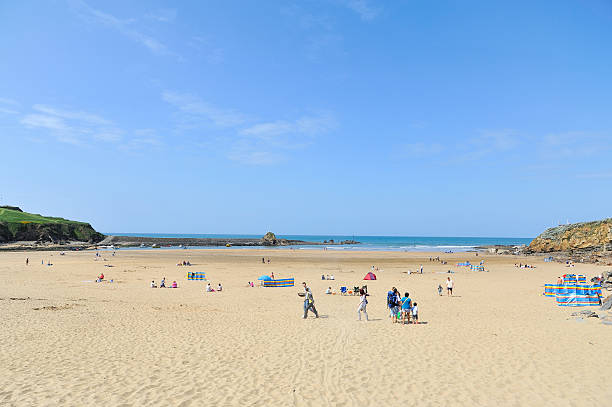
(449, 286)
(27, 261)
(363, 302)
(309, 302)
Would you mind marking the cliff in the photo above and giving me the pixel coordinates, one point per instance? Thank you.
(16, 225)
(585, 236)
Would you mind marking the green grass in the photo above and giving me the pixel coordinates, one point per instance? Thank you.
(11, 216)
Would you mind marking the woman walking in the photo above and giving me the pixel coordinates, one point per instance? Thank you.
(363, 302)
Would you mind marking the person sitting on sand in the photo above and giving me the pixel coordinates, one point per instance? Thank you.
(322, 276)
(153, 284)
(328, 291)
(163, 283)
(219, 288)
(101, 276)
(332, 277)
(174, 285)
(209, 289)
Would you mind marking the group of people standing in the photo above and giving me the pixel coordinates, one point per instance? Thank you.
(402, 308)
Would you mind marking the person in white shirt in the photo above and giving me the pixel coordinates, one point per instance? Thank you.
(153, 284)
(219, 288)
(363, 302)
(415, 313)
(208, 288)
(449, 286)
(328, 291)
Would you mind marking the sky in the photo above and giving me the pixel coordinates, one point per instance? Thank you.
(365, 117)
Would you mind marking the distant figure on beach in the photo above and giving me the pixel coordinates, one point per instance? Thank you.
(559, 280)
(421, 269)
(332, 277)
(328, 291)
(272, 276)
(268, 260)
(209, 289)
(415, 313)
(153, 284)
(440, 289)
(219, 288)
(309, 302)
(27, 261)
(163, 283)
(263, 260)
(363, 302)
(449, 286)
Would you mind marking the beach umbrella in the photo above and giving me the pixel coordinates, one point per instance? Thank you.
(265, 278)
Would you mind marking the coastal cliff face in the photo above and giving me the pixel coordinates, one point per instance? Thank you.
(16, 225)
(596, 236)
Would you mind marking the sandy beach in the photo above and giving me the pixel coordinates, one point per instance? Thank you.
(67, 340)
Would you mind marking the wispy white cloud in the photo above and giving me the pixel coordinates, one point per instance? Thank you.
(363, 8)
(7, 101)
(198, 109)
(8, 111)
(72, 115)
(124, 26)
(71, 126)
(574, 144)
(165, 15)
(244, 139)
(595, 175)
(205, 46)
(45, 121)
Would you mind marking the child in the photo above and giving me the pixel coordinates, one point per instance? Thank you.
(415, 313)
(174, 285)
(440, 289)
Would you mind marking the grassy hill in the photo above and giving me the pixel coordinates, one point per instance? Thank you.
(16, 225)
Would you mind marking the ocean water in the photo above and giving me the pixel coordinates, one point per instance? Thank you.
(381, 243)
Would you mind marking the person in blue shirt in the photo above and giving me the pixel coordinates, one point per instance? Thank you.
(406, 306)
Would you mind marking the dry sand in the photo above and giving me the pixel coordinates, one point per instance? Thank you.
(66, 340)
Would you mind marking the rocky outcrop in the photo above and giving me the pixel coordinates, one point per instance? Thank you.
(269, 239)
(48, 232)
(585, 236)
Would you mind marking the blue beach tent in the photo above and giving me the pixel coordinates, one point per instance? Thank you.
(265, 278)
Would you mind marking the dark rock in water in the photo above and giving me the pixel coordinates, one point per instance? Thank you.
(606, 304)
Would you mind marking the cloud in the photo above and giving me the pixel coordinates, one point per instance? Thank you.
(166, 15)
(574, 144)
(196, 109)
(361, 7)
(421, 149)
(7, 101)
(45, 121)
(244, 139)
(73, 115)
(125, 27)
(72, 126)
(595, 175)
(8, 111)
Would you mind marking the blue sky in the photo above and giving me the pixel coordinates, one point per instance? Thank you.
(446, 118)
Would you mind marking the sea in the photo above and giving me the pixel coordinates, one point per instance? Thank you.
(368, 243)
